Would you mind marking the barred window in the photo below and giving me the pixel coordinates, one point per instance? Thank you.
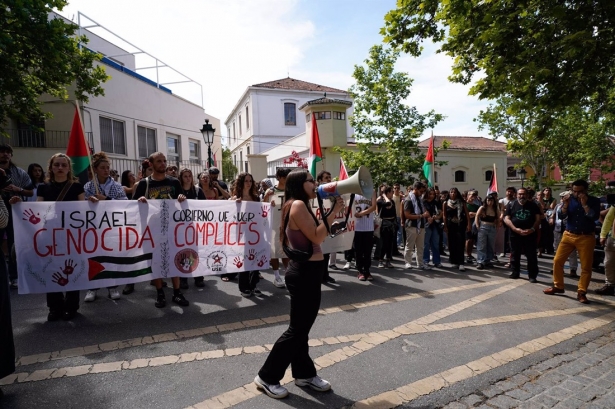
(290, 117)
(147, 141)
(112, 136)
(195, 157)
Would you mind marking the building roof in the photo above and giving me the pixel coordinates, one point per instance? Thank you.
(466, 143)
(297, 85)
(326, 101)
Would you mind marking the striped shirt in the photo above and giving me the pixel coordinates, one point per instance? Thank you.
(365, 223)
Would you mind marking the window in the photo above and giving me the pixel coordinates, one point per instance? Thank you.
(172, 149)
(511, 172)
(248, 150)
(322, 115)
(195, 156)
(290, 114)
(239, 125)
(488, 175)
(112, 136)
(460, 176)
(235, 160)
(234, 134)
(229, 134)
(247, 118)
(435, 177)
(308, 118)
(240, 161)
(146, 140)
(339, 115)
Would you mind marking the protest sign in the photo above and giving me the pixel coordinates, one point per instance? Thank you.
(63, 246)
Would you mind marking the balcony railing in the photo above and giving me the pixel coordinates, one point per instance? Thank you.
(19, 138)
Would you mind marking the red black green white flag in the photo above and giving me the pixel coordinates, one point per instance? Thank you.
(493, 184)
(77, 150)
(429, 163)
(102, 267)
(315, 150)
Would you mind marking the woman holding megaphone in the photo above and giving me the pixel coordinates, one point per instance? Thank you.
(301, 235)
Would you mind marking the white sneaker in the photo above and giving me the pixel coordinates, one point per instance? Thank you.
(408, 266)
(462, 268)
(276, 391)
(316, 383)
(279, 282)
(346, 266)
(90, 296)
(114, 294)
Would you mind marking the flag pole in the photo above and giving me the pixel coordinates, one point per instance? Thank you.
(433, 168)
(88, 147)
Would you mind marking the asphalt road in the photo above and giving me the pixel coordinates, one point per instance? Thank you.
(406, 329)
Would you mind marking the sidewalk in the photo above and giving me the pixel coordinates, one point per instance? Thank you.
(581, 379)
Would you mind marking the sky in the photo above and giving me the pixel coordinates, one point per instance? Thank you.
(226, 46)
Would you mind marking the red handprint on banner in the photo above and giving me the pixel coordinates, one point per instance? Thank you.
(252, 254)
(237, 262)
(262, 261)
(264, 212)
(69, 267)
(31, 217)
(58, 279)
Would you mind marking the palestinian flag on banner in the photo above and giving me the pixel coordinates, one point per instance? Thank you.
(102, 267)
(315, 150)
(77, 150)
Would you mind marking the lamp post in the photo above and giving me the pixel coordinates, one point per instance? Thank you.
(522, 172)
(208, 136)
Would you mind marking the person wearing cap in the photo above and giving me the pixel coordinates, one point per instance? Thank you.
(214, 173)
(582, 211)
(20, 185)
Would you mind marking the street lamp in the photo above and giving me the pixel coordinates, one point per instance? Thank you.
(208, 136)
(522, 172)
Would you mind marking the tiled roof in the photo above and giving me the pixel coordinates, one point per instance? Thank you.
(326, 101)
(293, 84)
(466, 143)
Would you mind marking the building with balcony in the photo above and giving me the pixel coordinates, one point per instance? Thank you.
(137, 115)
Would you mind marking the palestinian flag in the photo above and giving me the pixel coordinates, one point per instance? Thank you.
(315, 151)
(429, 162)
(77, 150)
(493, 184)
(343, 171)
(102, 267)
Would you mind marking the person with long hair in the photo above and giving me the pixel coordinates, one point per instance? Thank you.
(128, 183)
(245, 190)
(189, 189)
(386, 210)
(432, 229)
(61, 186)
(486, 222)
(103, 187)
(303, 281)
(37, 176)
(207, 187)
(456, 224)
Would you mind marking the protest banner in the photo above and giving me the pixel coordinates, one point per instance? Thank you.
(64, 246)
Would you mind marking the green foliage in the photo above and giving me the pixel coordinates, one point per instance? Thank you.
(576, 140)
(382, 120)
(229, 171)
(39, 56)
(546, 55)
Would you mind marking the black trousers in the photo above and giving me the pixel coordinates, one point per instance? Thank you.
(7, 346)
(60, 302)
(524, 245)
(362, 243)
(303, 284)
(248, 280)
(388, 235)
(456, 242)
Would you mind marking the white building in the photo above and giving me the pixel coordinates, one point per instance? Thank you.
(136, 117)
(267, 117)
(469, 163)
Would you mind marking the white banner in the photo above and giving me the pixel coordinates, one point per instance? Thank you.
(67, 246)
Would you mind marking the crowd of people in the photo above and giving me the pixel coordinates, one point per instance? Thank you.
(419, 226)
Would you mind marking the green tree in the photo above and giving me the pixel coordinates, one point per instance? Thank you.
(41, 55)
(576, 141)
(386, 129)
(229, 171)
(546, 55)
